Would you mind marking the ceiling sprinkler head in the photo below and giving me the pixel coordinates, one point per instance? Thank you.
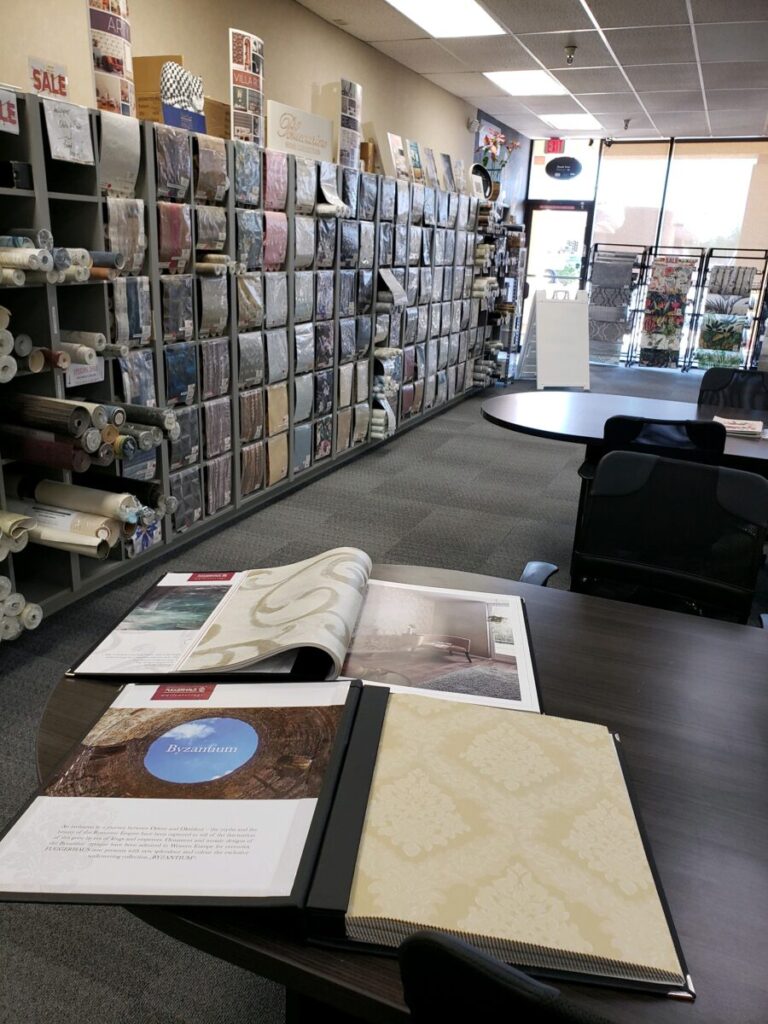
(570, 54)
(627, 122)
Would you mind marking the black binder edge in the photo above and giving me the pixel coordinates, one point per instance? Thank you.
(328, 898)
(532, 654)
(304, 872)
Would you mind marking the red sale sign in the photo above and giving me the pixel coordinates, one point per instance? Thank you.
(9, 112)
(48, 79)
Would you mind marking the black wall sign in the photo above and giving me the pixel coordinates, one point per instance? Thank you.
(563, 167)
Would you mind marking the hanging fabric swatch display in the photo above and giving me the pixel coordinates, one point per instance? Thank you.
(347, 339)
(212, 180)
(664, 314)
(343, 429)
(250, 359)
(731, 280)
(119, 155)
(277, 459)
(216, 367)
(188, 492)
(250, 301)
(303, 397)
(306, 185)
(211, 228)
(725, 325)
(126, 233)
(361, 381)
(275, 240)
(251, 468)
(323, 437)
(174, 236)
(180, 373)
(364, 335)
(324, 284)
(350, 188)
(304, 351)
(275, 180)
(275, 299)
(367, 244)
(277, 355)
(249, 239)
(304, 296)
(350, 243)
(302, 447)
(324, 344)
(217, 417)
(346, 381)
(247, 173)
(367, 196)
(214, 306)
(325, 253)
(612, 280)
(177, 294)
(277, 408)
(185, 448)
(347, 281)
(330, 203)
(323, 392)
(137, 378)
(132, 317)
(174, 162)
(251, 415)
(218, 484)
(304, 242)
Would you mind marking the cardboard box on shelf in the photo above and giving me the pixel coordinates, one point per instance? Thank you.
(146, 72)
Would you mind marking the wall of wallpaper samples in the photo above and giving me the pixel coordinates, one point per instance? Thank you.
(239, 320)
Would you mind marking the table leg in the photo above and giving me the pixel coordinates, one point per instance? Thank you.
(302, 1009)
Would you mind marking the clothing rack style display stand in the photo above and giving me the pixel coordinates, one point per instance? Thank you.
(214, 479)
(615, 272)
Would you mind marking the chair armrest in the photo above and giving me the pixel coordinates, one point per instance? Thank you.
(538, 573)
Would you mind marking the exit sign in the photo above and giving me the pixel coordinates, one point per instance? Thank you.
(554, 146)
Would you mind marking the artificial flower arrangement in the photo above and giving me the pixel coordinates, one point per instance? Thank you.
(496, 151)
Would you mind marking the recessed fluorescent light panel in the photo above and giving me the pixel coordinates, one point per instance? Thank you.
(572, 122)
(527, 83)
(449, 19)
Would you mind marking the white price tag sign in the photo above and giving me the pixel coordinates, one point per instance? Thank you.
(9, 112)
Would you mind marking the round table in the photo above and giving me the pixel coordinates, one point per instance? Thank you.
(580, 417)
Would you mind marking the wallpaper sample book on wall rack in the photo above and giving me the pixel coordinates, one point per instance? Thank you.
(320, 618)
(360, 807)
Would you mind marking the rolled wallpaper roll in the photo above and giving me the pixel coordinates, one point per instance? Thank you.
(44, 277)
(87, 499)
(33, 363)
(26, 259)
(4, 549)
(12, 604)
(10, 628)
(115, 414)
(61, 258)
(16, 242)
(92, 339)
(6, 343)
(80, 257)
(22, 345)
(54, 358)
(40, 237)
(113, 260)
(109, 433)
(102, 274)
(120, 351)
(5, 317)
(89, 547)
(164, 418)
(81, 523)
(149, 492)
(31, 616)
(75, 274)
(124, 447)
(91, 440)
(43, 450)
(142, 435)
(14, 524)
(8, 368)
(79, 353)
(53, 413)
(6, 587)
(12, 277)
(105, 456)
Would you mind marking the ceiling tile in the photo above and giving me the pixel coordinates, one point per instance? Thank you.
(611, 103)
(593, 80)
(549, 48)
(497, 106)
(737, 122)
(490, 53)
(727, 10)
(733, 42)
(659, 102)
(552, 105)
(466, 83)
(682, 124)
(736, 75)
(615, 123)
(366, 19)
(542, 16)
(422, 55)
(737, 99)
(618, 13)
(652, 45)
(663, 77)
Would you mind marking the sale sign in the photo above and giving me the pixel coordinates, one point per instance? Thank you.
(9, 112)
(48, 79)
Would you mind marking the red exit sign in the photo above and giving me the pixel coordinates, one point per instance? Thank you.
(554, 146)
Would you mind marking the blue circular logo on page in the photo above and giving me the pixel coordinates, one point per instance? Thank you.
(202, 750)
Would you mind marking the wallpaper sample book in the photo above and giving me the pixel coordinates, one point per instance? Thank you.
(298, 621)
(378, 813)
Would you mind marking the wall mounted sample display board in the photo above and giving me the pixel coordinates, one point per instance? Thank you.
(201, 325)
(207, 763)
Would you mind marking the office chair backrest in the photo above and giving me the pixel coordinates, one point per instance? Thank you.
(447, 981)
(692, 532)
(734, 389)
(693, 440)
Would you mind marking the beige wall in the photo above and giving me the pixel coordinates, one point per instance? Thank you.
(304, 58)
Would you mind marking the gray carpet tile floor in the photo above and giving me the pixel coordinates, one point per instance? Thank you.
(455, 492)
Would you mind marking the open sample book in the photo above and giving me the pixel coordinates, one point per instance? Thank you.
(319, 619)
(372, 813)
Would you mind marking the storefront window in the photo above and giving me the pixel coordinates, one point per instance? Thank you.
(629, 192)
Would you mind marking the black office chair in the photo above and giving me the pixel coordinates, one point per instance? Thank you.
(734, 389)
(672, 534)
(447, 981)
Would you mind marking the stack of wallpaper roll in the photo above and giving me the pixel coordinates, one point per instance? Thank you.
(483, 372)
(29, 256)
(88, 521)
(17, 353)
(16, 613)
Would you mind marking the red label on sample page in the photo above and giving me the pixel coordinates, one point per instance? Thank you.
(206, 577)
(191, 691)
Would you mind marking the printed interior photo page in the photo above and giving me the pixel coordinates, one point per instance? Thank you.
(294, 620)
(187, 792)
(430, 638)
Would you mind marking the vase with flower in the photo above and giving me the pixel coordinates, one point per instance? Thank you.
(495, 151)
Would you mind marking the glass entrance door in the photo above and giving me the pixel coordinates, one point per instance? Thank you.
(558, 244)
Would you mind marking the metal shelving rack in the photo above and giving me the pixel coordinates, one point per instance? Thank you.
(639, 277)
(65, 198)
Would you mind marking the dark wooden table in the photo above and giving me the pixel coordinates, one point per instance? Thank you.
(580, 417)
(689, 697)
